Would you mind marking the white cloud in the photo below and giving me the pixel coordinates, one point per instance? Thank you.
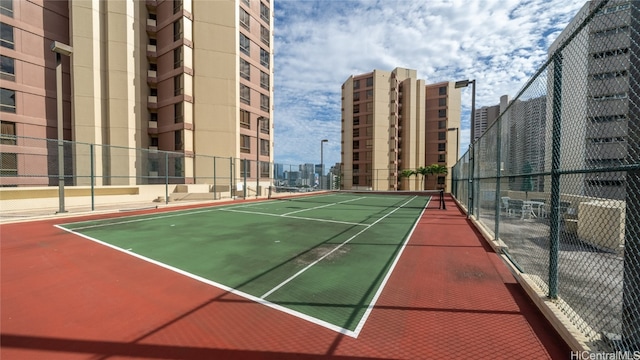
(319, 44)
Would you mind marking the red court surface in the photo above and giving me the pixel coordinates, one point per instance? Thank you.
(449, 297)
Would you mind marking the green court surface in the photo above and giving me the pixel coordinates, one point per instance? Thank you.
(324, 258)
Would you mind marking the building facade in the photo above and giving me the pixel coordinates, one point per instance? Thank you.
(392, 121)
(188, 76)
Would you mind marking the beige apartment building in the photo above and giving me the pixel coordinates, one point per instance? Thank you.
(393, 121)
(187, 76)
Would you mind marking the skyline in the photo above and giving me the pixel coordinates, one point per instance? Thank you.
(500, 44)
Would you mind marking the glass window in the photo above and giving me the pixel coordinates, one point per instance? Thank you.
(248, 2)
(178, 116)
(8, 133)
(6, 7)
(356, 84)
(356, 96)
(244, 94)
(245, 143)
(8, 100)
(356, 120)
(9, 165)
(356, 108)
(441, 180)
(356, 132)
(7, 68)
(264, 12)
(245, 19)
(245, 167)
(154, 141)
(264, 80)
(245, 44)
(369, 94)
(264, 35)
(442, 90)
(178, 167)
(264, 58)
(356, 144)
(177, 30)
(441, 147)
(442, 113)
(356, 156)
(442, 135)
(178, 140)
(245, 69)
(442, 102)
(178, 85)
(245, 119)
(6, 36)
(177, 57)
(264, 102)
(369, 106)
(264, 125)
(177, 6)
(369, 82)
(264, 147)
(441, 158)
(264, 169)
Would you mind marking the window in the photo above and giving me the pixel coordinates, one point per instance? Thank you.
(245, 168)
(245, 19)
(177, 57)
(356, 168)
(178, 167)
(356, 156)
(264, 80)
(611, 31)
(177, 30)
(264, 12)
(264, 147)
(356, 84)
(245, 69)
(9, 165)
(442, 124)
(356, 132)
(370, 119)
(356, 180)
(610, 97)
(442, 102)
(441, 158)
(154, 141)
(610, 53)
(8, 100)
(369, 130)
(153, 92)
(178, 85)
(264, 58)
(608, 118)
(264, 125)
(264, 35)
(264, 102)
(248, 2)
(264, 169)
(356, 96)
(244, 94)
(356, 120)
(441, 147)
(177, 6)
(369, 82)
(245, 143)
(356, 108)
(441, 180)
(369, 94)
(6, 35)
(609, 75)
(6, 7)
(369, 106)
(153, 116)
(178, 115)
(356, 144)
(154, 165)
(442, 135)
(7, 68)
(245, 119)
(369, 143)
(7, 133)
(442, 90)
(177, 136)
(245, 44)
(442, 113)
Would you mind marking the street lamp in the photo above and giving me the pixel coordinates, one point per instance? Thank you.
(462, 84)
(260, 119)
(66, 50)
(457, 141)
(322, 163)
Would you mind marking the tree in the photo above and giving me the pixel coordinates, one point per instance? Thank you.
(437, 169)
(407, 173)
(424, 171)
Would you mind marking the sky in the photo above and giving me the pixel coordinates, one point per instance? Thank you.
(319, 44)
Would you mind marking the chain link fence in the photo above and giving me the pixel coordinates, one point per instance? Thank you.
(556, 177)
(101, 176)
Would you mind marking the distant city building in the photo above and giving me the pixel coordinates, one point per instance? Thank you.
(392, 121)
(483, 118)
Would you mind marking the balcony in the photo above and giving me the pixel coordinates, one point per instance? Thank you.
(151, 26)
(151, 51)
(152, 77)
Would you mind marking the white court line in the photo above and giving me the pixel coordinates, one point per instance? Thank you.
(323, 206)
(330, 252)
(294, 217)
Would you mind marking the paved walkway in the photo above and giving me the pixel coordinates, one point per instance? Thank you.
(449, 297)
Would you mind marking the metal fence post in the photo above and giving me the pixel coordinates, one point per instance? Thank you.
(556, 142)
(166, 177)
(498, 178)
(214, 179)
(470, 189)
(231, 187)
(244, 178)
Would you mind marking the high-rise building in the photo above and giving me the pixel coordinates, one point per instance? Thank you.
(190, 76)
(483, 118)
(392, 121)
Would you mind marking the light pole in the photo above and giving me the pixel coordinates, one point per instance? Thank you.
(457, 141)
(322, 163)
(66, 50)
(462, 84)
(260, 119)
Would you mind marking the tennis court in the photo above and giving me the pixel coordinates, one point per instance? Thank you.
(324, 258)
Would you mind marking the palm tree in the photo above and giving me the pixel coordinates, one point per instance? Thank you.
(424, 171)
(437, 169)
(407, 173)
